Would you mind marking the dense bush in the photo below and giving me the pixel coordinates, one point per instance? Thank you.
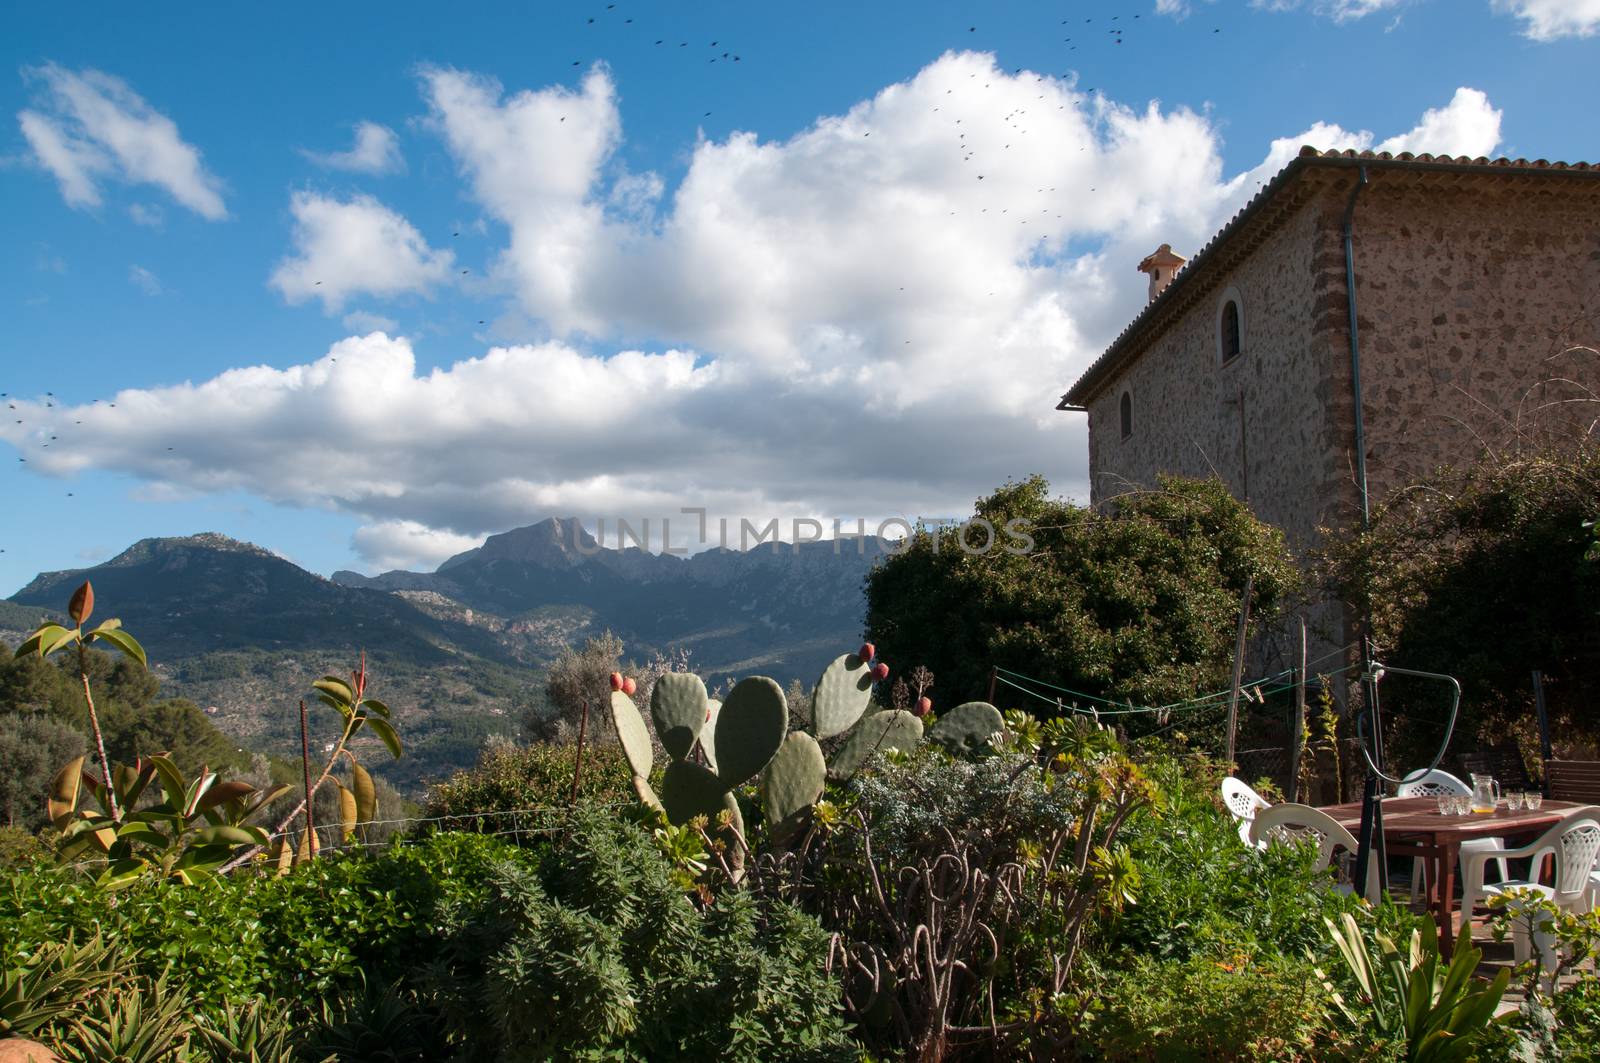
(1209, 1007)
(1203, 892)
(476, 946)
(1442, 568)
(510, 778)
(597, 950)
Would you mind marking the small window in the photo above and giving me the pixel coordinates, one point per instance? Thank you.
(1125, 414)
(1229, 339)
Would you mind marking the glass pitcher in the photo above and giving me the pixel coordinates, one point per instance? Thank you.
(1485, 794)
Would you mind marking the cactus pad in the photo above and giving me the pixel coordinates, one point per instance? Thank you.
(750, 728)
(678, 707)
(967, 728)
(632, 733)
(841, 696)
(891, 729)
(708, 733)
(646, 794)
(792, 781)
(688, 790)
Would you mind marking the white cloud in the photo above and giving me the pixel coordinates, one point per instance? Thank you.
(355, 247)
(393, 544)
(146, 214)
(1338, 10)
(1547, 20)
(376, 151)
(88, 126)
(1467, 125)
(144, 280)
(854, 323)
(362, 321)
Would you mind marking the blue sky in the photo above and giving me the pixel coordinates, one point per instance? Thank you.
(577, 271)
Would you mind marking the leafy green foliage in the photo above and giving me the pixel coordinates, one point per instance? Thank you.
(447, 918)
(139, 1023)
(1139, 604)
(1410, 996)
(1443, 568)
(539, 776)
(596, 952)
(188, 834)
(1207, 1007)
(50, 983)
(1206, 894)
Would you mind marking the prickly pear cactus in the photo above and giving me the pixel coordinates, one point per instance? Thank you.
(708, 733)
(750, 727)
(968, 728)
(689, 790)
(879, 731)
(632, 733)
(792, 781)
(841, 695)
(678, 707)
(752, 721)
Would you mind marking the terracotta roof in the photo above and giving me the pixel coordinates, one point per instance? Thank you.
(1277, 195)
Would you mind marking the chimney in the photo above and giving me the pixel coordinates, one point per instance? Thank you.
(1162, 265)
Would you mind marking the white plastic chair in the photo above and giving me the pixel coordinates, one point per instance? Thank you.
(1244, 803)
(1575, 843)
(1292, 823)
(1437, 783)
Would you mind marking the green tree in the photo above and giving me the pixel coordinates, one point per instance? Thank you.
(32, 749)
(1139, 601)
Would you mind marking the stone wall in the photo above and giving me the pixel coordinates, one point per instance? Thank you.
(1468, 294)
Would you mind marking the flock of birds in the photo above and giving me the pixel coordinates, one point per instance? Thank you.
(1108, 32)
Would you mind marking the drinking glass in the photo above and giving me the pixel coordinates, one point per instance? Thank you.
(1533, 799)
(1447, 805)
(1514, 801)
(1463, 804)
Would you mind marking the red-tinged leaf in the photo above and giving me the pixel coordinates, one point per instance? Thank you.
(82, 603)
(223, 792)
(64, 792)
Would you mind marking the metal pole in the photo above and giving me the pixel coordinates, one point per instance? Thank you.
(577, 763)
(992, 676)
(1297, 741)
(1238, 670)
(1544, 716)
(305, 770)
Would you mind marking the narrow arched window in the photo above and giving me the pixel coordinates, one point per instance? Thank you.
(1229, 340)
(1125, 414)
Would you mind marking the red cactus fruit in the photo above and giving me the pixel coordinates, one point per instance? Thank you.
(616, 680)
(924, 706)
(880, 671)
(629, 686)
(867, 651)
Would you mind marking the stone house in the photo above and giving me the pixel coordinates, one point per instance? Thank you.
(1474, 283)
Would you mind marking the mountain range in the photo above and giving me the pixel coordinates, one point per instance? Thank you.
(459, 650)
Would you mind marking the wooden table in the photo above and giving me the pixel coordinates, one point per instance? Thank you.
(1412, 826)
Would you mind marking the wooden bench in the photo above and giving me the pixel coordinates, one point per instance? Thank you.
(1572, 780)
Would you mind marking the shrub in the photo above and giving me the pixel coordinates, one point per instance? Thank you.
(1203, 892)
(539, 776)
(1208, 1007)
(595, 951)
